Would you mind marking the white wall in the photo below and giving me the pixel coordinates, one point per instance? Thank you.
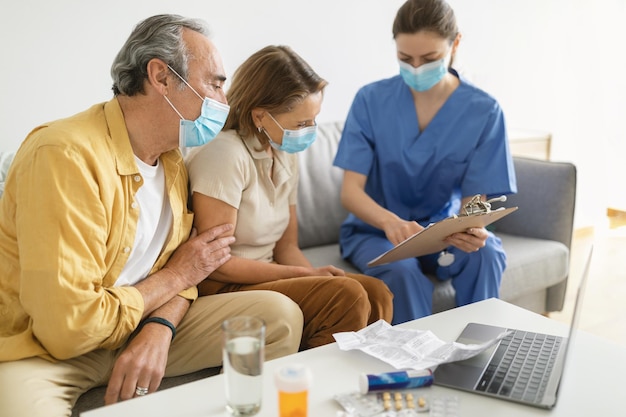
(554, 65)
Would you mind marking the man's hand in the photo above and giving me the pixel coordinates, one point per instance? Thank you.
(191, 263)
(469, 241)
(141, 364)
(202, 254)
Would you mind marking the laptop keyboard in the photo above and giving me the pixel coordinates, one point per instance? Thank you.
(521, 366)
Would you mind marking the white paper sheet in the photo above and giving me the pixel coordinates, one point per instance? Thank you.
(408, 348)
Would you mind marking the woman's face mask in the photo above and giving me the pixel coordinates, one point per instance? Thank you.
(426, 76)
(294, 140)
(206, 127)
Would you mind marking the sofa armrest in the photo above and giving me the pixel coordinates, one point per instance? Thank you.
(546, 199)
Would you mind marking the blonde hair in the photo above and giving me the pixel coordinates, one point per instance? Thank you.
(274, 78)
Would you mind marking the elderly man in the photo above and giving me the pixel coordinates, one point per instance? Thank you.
(98, 262)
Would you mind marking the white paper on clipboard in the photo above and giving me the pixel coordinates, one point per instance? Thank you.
(430, 239)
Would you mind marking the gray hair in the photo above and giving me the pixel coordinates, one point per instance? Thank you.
(159, 37)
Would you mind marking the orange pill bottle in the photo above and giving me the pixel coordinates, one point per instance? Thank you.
(293, 383)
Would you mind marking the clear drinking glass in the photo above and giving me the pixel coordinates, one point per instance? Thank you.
(243, 355)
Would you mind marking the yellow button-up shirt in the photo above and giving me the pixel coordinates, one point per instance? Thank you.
(67, 227)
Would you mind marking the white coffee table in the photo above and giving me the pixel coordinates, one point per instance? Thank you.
(592, 384)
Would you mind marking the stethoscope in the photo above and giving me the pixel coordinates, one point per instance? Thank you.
(474, 206)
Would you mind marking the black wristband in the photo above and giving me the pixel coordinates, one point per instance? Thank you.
(159, 320)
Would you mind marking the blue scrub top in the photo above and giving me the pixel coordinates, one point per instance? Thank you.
(423, 175)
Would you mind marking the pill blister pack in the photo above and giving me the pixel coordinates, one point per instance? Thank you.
(444, 406)
(405, 403)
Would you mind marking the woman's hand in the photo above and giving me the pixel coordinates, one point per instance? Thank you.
(400, 230)
(469, 241)
(328, 270)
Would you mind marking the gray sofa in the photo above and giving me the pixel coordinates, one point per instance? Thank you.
(536, 238)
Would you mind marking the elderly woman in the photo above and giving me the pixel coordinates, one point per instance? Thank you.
(248, 177)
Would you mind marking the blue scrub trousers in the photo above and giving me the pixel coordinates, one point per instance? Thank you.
(475, 276)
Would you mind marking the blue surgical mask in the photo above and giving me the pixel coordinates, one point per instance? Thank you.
(294, 140)
(425, 76)
(206, 127)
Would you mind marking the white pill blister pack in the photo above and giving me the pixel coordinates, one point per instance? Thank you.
(404, 403)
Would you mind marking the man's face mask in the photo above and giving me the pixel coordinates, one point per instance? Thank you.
(206, 127)
(425, 76)
(294, 140)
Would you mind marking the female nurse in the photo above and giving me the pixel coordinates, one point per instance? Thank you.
(248, 176)
(414, 149)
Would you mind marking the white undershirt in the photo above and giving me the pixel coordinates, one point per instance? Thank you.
(153, 227)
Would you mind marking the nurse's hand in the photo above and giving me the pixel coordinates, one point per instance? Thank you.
(400, 230)
(469, 241)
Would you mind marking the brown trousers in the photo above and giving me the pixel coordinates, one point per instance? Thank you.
(330, 304)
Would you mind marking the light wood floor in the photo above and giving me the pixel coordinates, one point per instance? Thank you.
(604, 304)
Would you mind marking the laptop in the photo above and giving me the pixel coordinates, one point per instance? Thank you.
(523, 367)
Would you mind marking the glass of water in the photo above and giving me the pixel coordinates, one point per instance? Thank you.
(243, 351)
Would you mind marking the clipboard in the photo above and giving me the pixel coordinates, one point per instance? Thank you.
(430, 239)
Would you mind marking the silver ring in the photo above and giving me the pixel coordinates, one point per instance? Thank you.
(141, 391)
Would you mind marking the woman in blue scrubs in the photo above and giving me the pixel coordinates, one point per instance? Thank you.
(414, 149)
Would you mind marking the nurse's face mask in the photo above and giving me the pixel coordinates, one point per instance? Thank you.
(294, 140)
(205, 128)
(426, 76)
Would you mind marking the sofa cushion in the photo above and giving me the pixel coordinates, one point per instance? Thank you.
(328, 255)
(319, 208)
(537, 264)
